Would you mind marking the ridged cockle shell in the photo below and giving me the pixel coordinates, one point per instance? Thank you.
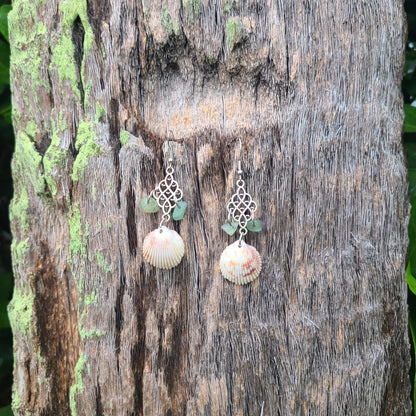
(163, 248)
(240, 263)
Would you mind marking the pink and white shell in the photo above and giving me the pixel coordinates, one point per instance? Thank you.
(240, 264)
(163, 248)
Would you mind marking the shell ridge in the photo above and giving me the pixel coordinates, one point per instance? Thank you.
(240, 264)
(163, 248)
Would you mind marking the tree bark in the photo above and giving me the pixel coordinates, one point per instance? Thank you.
(312, 88)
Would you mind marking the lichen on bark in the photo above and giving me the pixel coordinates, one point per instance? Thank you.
(27, 163)
(63, 53)
(26, 42)
(87, 146)
(78, 387)
(56, 155)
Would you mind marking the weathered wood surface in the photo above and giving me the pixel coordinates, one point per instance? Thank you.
(313, 90)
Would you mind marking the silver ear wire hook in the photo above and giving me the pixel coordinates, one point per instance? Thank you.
(239, 170)
(170, 149)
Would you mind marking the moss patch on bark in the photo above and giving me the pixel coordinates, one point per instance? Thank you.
(20, 310)
(55, 156)
(78, 386)
(87, 146)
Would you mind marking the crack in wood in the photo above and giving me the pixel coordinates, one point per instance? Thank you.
(99, 411)
(114, 129)
(119, 310)
(131, 220)
(78, 35)
(138, 352)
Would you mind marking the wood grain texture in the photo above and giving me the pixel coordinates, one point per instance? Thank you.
(313, 90)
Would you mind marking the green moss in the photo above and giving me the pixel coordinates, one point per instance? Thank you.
(55, 157)
(124, 137)
(93, 192)
(26, 41)
(102, 263)
(92, 333)
(87, 89)
(234, 32)
(193, 9)
(99, 113)
(85, 134)
(64, 62)
(103, 53)
(28, 163)
(86, 234)
(90, 299)
(167, 22)
(109, 225)
(19, 251)
(78, 387)
(40, 29)
(227, 6)
(20, 310)
(88, 147)
(79, 282)
(18, 209)
(32, 129)
(39, 357)
(75, 230)
(16, 400)
(78, 238)
(63, 58)
(70, 11)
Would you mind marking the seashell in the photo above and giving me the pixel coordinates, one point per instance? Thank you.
(163, 248)
(240, 265)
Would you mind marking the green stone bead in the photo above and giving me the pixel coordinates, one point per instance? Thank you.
(179, 211)
(230, 227)
(255, 226)
(149, 205)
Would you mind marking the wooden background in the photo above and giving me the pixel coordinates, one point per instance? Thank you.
(312, 88)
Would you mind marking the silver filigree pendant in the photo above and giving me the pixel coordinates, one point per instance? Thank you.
(164, 248)
(240, 263)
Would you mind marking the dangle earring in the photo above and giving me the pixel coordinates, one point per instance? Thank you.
(164, 247)
(240, 263)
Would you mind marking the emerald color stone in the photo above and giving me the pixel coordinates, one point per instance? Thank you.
(179, 211)
(255, 226)
(149, 205)
(230, 227)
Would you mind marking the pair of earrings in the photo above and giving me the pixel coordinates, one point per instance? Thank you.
(164, 248)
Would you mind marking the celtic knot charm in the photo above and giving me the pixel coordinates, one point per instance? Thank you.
(167, 193)
(241, 206)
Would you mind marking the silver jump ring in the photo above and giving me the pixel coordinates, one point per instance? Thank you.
(165, 217)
